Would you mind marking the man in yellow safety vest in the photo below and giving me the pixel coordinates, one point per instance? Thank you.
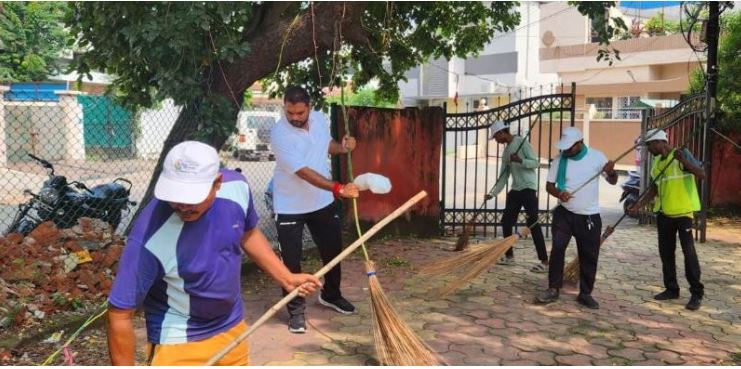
(676, 201)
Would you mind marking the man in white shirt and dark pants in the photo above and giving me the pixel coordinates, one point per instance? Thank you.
(304, 194)
(577, 214)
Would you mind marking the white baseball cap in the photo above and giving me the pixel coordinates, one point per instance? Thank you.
(496, 127)
(569, 137)
(188, 173)
(656, 135)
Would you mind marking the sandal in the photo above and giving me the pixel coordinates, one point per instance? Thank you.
(539, 268)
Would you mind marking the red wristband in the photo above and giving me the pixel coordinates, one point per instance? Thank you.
(336, 189)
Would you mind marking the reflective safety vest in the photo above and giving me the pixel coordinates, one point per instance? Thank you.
(677, 188)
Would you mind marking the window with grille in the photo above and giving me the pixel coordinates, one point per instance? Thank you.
(625, 111)
(603, 106)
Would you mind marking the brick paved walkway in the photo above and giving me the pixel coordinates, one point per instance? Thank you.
(493, 322)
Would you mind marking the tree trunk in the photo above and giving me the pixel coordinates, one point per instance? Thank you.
(184, 128)
(277, 40)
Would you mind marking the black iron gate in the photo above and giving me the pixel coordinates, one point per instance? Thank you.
(686, 126)
(471, 162)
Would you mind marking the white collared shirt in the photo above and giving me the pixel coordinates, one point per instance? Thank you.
(586, 200)
(296, 148)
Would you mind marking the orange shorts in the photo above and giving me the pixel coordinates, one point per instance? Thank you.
(199, 352)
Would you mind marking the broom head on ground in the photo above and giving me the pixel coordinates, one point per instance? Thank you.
(471, 262)
(462, 242)
(396, 344)
(571, 272)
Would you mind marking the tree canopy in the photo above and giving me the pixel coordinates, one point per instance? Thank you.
(32, 37)
(205, 55)
(209, 53)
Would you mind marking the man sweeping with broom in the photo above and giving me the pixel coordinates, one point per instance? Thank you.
(182, 263)
(304, 194)
(577, 215)
(519, 160)
(676, 201)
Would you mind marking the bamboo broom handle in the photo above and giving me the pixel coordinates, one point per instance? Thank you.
(348, 250)
(639, 143)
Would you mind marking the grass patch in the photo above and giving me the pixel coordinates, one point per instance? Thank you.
(396, 262)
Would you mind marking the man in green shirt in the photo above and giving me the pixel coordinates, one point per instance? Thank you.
(520, 161)
(673, 174)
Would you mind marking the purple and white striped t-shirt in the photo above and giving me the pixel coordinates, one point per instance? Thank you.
(187, 274)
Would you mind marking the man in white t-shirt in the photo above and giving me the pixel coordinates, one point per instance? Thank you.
(577, 213)
(304, 194)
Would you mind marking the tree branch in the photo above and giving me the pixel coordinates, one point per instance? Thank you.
(257, 18)
(299, 43)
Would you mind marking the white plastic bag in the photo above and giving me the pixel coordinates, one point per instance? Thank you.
(376, 183)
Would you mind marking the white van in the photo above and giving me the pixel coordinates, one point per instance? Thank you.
(252, 140)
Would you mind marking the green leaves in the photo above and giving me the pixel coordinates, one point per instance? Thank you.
(182, 49)
(401, 36)
(31, 39)
(159, 49)
(606, 28)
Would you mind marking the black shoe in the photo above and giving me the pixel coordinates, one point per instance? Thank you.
(588, 301)
(694, 303)
(547, 296)
(339, 304)
(667, 295)
(297, 323)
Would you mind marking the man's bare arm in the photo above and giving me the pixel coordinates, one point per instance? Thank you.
(349, 190)
(256, 246)
(121, 339)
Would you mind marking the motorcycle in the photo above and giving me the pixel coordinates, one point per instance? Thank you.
(631, 191)
(65, 203)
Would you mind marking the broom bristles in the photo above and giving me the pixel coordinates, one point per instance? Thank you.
(571, 272)
(396, 344)
(453, 264)
(462, 242)
(473, 270)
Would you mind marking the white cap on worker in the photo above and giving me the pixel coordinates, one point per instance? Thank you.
(569, 137)
(496, 127)
(188, 173)
(656, 135)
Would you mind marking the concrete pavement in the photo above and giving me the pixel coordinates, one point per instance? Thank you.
(493, 321)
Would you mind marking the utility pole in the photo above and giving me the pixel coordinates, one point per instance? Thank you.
(712, 35)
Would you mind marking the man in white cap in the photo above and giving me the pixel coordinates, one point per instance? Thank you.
(519, 160)
(182, 263)
(577, 214)
(676, 201)
(304, 195)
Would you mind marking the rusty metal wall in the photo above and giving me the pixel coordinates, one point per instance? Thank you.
(403, 145)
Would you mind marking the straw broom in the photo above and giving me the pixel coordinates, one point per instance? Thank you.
(571, 272)
(462, 242)
(396, 344)
(473, 261)
(486, 256)
(326, 268)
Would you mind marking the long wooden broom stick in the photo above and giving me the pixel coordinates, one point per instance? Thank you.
(462, 241)
(475, 261)
(639, 143)
(284, 301)
(571, 272)
(396, 344)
